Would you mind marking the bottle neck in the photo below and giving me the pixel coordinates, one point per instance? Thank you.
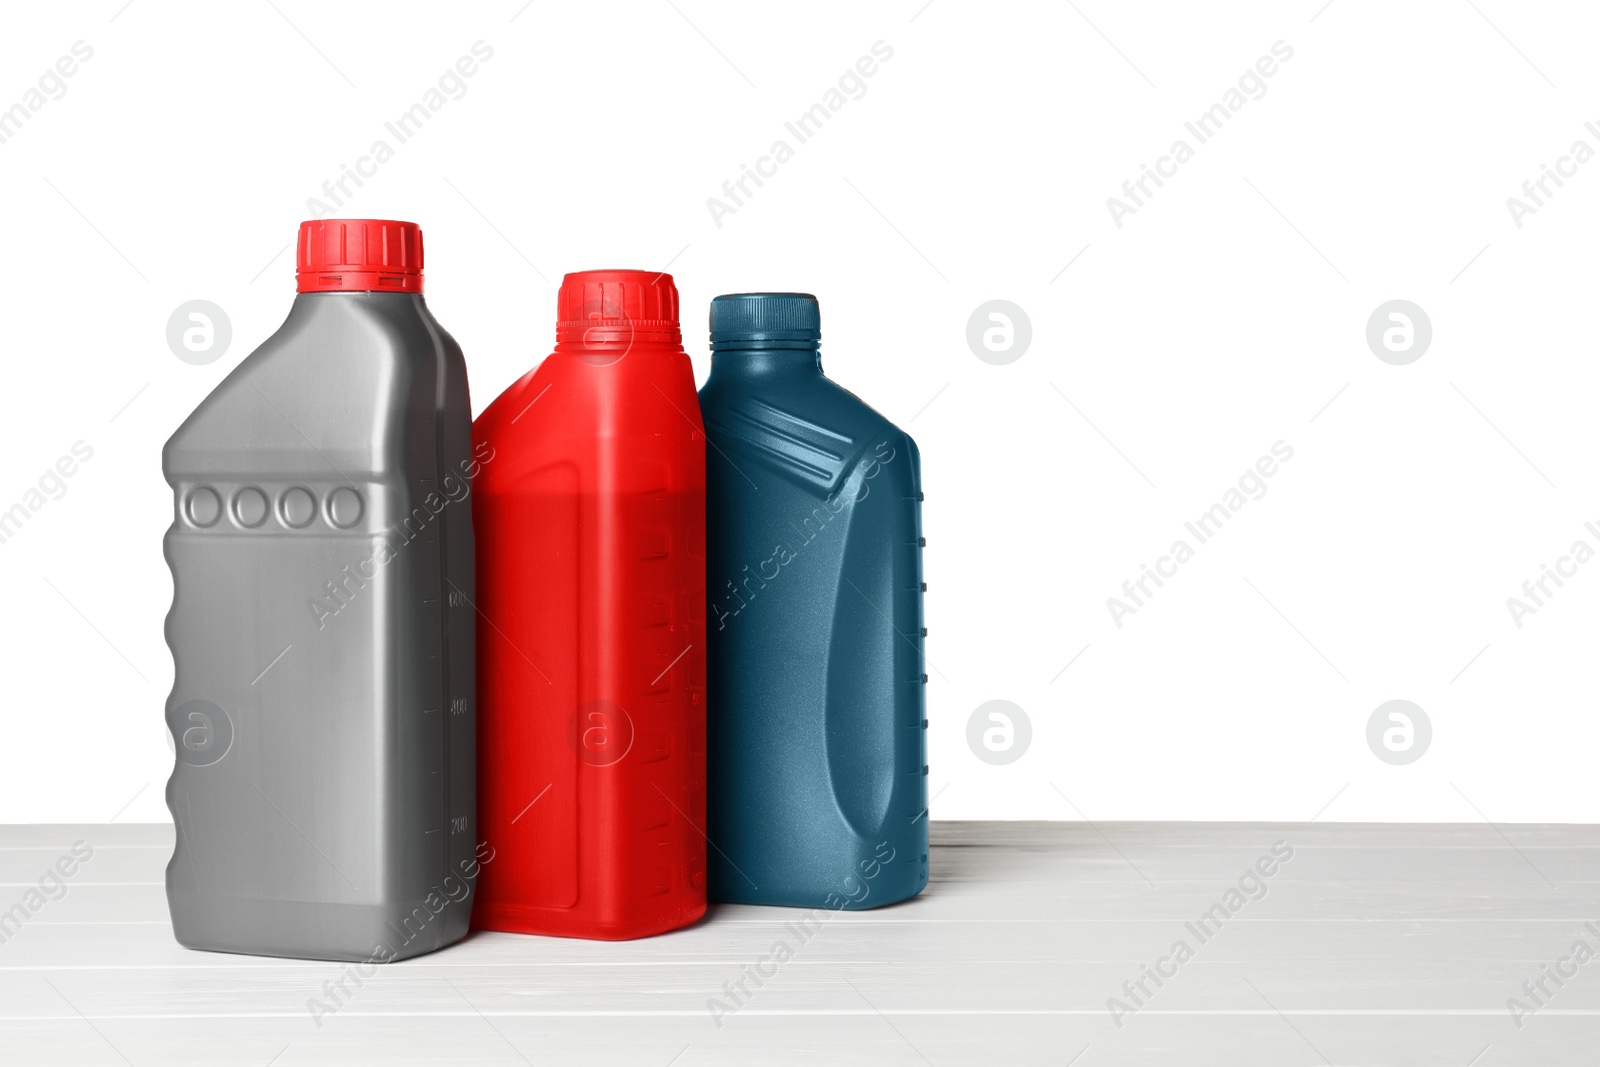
(332, 297)
(756, 360)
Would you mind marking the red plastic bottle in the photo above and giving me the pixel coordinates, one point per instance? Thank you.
(590, 526)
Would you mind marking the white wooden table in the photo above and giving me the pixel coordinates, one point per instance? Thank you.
(1372, 945)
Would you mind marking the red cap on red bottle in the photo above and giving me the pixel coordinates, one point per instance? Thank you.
(609, 306)
(359, 255)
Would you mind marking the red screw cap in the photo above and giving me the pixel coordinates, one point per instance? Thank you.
(364, 255)
(598, 307)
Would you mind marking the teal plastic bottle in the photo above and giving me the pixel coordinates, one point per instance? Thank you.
(816, 697)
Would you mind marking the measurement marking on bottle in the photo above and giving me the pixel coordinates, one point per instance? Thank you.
(458, 824)
(671, 665)
(458, 705)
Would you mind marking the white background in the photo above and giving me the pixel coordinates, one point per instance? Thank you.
(1222, 317)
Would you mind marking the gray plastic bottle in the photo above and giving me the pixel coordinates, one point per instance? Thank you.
(322, 624)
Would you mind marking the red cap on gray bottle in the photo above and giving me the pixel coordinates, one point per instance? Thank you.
(362, 255)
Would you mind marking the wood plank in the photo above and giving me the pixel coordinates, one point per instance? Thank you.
(1375, 944)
